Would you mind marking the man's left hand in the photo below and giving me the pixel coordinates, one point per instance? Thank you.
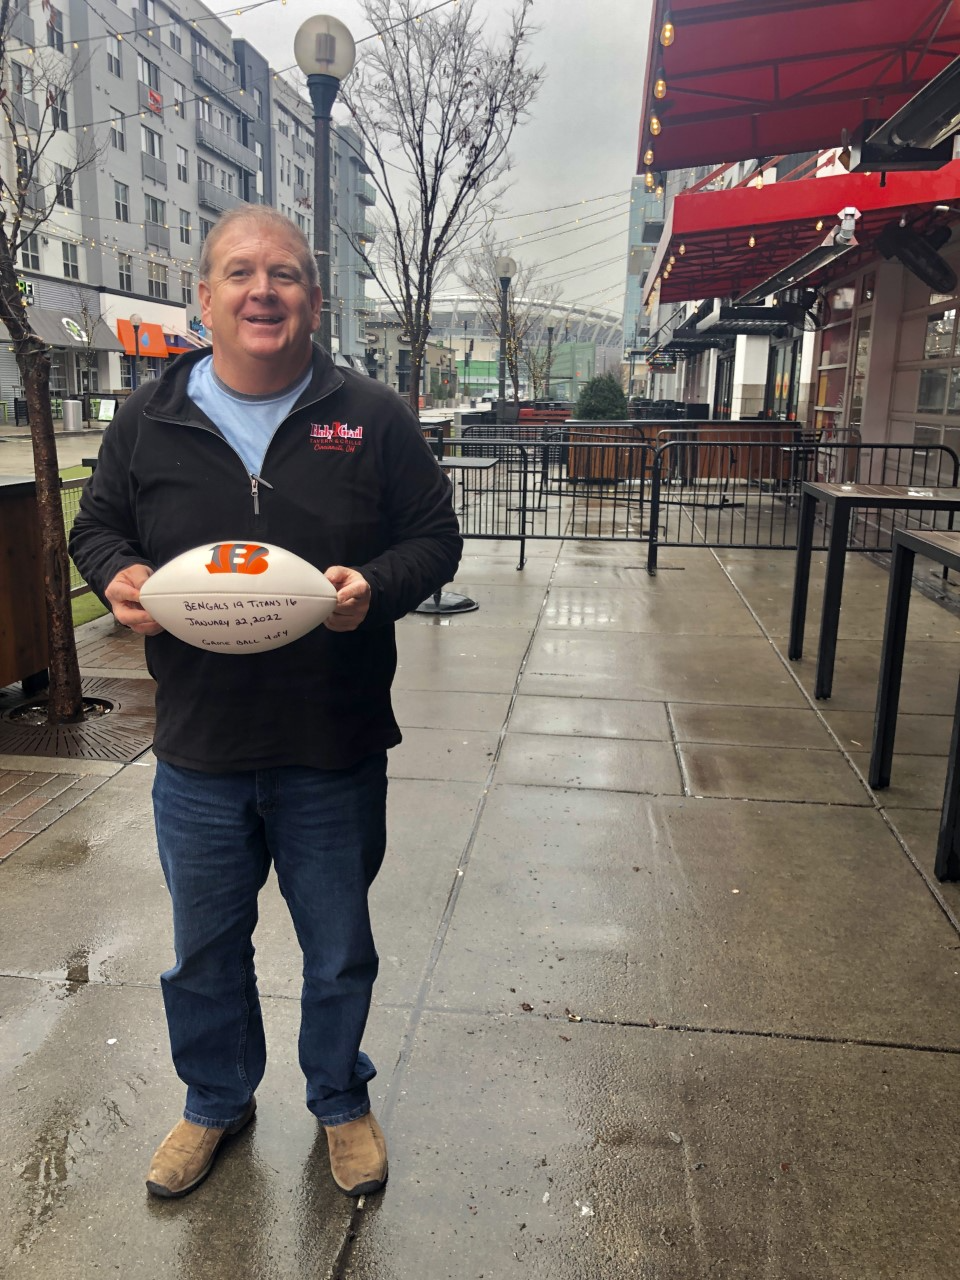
(353, 598)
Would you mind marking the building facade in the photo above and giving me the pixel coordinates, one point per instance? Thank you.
(167, 122)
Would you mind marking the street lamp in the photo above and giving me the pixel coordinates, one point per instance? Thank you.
(325, 53)
(506, 270)
(550, 329)
(135, 322)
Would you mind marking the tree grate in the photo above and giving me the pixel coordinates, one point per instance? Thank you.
(122, 735)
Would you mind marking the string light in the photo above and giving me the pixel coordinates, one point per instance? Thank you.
(648, 157)
(819, 226)
(668, 32)
(655, 126)
(660, 86)
(752, 242)
(682, 250)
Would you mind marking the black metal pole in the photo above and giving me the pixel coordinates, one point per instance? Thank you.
(549, 360)
(136, 357)
(502, 385)
(323, 93)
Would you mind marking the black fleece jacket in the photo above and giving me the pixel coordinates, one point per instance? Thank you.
(375, 500)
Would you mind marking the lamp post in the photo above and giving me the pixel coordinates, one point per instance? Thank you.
(506, 270)
(325, 53)
(549, 359)
(135, 323)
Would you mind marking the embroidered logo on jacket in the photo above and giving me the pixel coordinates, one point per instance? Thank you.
(237, 557)
(335, 437)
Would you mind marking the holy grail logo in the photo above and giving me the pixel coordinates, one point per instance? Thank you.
(237, 557)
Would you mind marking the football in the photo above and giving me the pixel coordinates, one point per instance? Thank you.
(238, 597)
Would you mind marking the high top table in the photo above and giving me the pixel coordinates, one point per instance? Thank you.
(943, 548)
(452, 601)
(844, 498)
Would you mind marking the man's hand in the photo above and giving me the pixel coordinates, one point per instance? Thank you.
(123, 593)
(353, 598)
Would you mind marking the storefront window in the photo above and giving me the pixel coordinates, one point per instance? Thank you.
(953, 396)
(933, 391)
(939, 340)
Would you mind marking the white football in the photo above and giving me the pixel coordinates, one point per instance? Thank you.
(238, 597)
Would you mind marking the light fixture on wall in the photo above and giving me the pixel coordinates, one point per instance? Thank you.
(920, 134)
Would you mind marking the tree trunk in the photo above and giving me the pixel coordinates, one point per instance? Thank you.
(416, 364)
(65, 702)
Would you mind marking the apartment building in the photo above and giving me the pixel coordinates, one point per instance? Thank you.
(180, 123)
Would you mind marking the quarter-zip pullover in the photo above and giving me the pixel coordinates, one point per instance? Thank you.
(347, 479)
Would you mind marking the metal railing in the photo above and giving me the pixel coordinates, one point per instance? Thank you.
(70, 491)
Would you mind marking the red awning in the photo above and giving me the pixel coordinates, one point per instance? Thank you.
(708, 233)
(150, 337)
(750, 79)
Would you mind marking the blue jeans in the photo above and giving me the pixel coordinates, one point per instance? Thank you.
(325, 831)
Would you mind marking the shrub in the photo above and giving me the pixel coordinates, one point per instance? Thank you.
(602, 399)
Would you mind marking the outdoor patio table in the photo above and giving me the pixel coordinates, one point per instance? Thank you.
(944, 548)
(844, 498)
(452, 601)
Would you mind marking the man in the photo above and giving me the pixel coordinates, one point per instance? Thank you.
(279, 756)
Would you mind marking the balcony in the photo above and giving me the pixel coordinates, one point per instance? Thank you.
(149, 99)
(302, 196)
(213, 197)
(210, 75)
(22, 29)
(299, 147)
(229, 148)
(152, 168)
(146, 28)
(365, 232)
(364, 272)
(366, 193)
(35, 196)
(156, 236)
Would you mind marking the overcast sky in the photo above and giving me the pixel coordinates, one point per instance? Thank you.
(579, 144)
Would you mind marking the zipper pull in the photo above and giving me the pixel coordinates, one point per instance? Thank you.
(255, 483)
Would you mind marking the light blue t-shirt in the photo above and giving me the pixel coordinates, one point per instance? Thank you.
(248, 422)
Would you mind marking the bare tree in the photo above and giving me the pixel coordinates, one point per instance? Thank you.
(537, 359)
(33, 105)
(529, 302)
(436, 104)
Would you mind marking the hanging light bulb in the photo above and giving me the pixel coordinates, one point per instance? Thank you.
(758, 180)
(659, 191)
(648, 156)
(648, 181)
(668, 32)
(673, 258)
(660, 86)
(819, 226)
(682, 250)
(752, 242)
(655, 126)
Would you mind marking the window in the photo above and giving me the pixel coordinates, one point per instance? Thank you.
(151, 142)
(149, 8)
(22, 79)
(64, 178)
(179, 100)
(118, 137)
(258, 149)
(55, 29)
(156, 280)
(125, 266)
(176, 35)
(258, 102)
(58, 109)
(299, 177)
(282, 125)
(30, 253)
(226, 181)
(183, 159)
(121, 201)
(148, 73)
(204, 111)
(114, 62)
(186, 287)
(71, 265)
(301, 222)
(155, 210)
(185, 229)
(205, 170)
(206, 226)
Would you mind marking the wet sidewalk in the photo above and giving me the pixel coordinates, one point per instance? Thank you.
(666, 992)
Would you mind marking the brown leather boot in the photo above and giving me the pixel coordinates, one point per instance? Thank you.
(358, 1155)
(186, 1155)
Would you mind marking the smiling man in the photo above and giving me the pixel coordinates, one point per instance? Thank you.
(273, 758)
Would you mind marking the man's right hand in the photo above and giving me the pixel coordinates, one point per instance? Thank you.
(123, 594)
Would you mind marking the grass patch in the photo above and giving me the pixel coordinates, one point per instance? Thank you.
(74, 473)
(86, 608)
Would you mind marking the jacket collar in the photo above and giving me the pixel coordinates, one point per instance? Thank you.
(170, 402)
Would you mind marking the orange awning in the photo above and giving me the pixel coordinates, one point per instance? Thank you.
(150, 337)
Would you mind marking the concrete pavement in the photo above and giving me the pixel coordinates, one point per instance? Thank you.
(666, 992)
